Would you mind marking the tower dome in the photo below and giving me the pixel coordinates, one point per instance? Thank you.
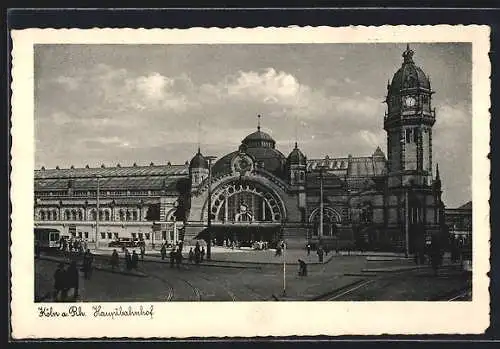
(259, 139)
(198, 161)
(409, 76)
(296, 157)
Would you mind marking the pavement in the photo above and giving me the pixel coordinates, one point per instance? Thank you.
(228, 257)
(238, 279)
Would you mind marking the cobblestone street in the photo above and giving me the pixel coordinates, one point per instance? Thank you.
(155, 280)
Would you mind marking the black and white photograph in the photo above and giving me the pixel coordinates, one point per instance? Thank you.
(252, 172)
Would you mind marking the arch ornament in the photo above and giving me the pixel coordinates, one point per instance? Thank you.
(329, 212)
(245, 200)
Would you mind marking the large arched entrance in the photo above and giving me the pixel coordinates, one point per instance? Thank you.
(245, 211)
(331, 218)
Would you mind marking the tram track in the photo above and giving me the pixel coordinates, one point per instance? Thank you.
(172, 295)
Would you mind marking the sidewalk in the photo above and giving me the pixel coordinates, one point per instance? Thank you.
(227, 257)
(98, 264)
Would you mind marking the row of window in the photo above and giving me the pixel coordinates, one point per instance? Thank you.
(113, 236)
(77, 215)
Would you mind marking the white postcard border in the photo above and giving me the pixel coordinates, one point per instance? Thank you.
(245, 319)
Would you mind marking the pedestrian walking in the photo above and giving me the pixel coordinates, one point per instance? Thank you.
(197, 253)
(320, 254)
(202, 255)
(191, 255)
(163, 252)
(302, 268)
(172, 257)
(278, 250)
(308, 247)
(59, 283)
(178, 258)
(143, 251)
(115, 259)
(73, 279)
(135, 260)
(88, 259)
(128, 260)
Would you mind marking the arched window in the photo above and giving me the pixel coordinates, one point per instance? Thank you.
(73, 215)
(49, 215)
(106, 215)
(93, 214)
(54, 215)
(67, 215)
(101, 215)
(80, 215)
(134, 215)
(128, 215)
(122, 215)
(42, 215)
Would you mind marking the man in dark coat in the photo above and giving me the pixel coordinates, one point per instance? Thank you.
(320, 254)
(88, 259)
(197, 253)
(172, 257)
(115, 259)
(143, 250)
(59, 283)
(128, 260)
(73, 279)
(163, 252)
(178, 258)
(135, 259)
(302, 268)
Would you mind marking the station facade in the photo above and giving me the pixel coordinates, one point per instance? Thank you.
(256, 192)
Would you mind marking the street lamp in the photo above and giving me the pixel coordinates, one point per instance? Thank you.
(97, 213)
(209, 208)
(321, 208)
(405, 191)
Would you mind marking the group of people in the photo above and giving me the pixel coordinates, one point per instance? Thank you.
(66, 279)
(280, 246)
(73, 244)
(197, 255)
(460, 248)
(131, 259)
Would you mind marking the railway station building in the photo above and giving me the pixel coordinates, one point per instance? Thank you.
(382, 201)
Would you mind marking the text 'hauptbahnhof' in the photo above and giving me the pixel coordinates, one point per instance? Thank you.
(257, 193)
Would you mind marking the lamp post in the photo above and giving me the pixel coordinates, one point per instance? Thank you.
(321, 205)
(406, 207)
(97, 213)
(209, 208)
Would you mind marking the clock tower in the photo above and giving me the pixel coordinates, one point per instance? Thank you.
(408, 123)
(413, 202)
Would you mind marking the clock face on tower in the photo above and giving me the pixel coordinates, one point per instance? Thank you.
(410, 101)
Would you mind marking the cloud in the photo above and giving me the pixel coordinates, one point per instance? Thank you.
(108, 114)
(69, 82)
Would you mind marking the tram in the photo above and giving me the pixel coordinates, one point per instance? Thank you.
(47, 237)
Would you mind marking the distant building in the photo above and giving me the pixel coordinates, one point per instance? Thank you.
(459, 220)
(258, 193)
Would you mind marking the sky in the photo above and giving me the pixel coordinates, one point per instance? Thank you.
(110, 104)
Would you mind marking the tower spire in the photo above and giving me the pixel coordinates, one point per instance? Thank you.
(296, 131)
(199, 135)
(408, 54)
(437, 172)
(258, 122)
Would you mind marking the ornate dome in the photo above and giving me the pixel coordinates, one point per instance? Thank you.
(198, 161)
(409, 76)
(296, 157)
(259, 139)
